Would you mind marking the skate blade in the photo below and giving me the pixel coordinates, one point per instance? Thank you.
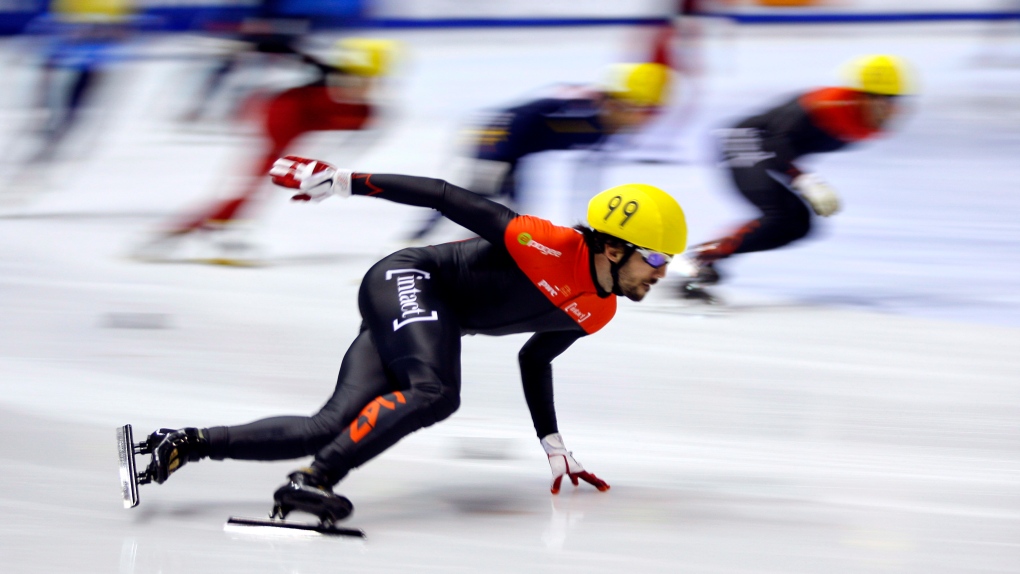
(235, 523)
(230, 262)
(128, 472)
(688, 308)
(699, 296)
(692, 307)
(216, 261)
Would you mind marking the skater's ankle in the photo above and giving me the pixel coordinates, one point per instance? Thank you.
(199, 443)
(324, 475)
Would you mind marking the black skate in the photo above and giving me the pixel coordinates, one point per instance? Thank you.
(214, 245)
(237, 523)
(173, 448)
(701, 274)
(690, 291)
(307, 491)
(130, 478)
(170, 450)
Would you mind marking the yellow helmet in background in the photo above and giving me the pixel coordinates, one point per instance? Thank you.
(92, 10)
(879, 74)
(368, 57)
(642, 215)
(644, 84)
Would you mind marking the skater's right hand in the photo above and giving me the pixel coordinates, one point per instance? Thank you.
(316, 180)
(562, 463)
(819, 195)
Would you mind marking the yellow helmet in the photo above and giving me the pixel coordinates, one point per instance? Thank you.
(366, 56)
(642, 215)
(879, 74)
(644, 84)
(98, 11)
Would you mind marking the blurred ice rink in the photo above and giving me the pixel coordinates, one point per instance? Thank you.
(855, 409)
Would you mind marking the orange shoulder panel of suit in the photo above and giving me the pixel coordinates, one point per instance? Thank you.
(839, 112)
(555, 258)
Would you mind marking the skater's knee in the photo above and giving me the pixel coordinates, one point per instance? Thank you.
(782, 228)
(437, 392)
(438, 401)
(790, 232)
(440, 409)
(795, 225)
(324, 425)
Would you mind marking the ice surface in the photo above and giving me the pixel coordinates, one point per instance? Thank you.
(856, 408)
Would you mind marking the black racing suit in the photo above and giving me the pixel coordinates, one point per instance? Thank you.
(759, 153)
(510, 135)
(545, 124)
(402, 372)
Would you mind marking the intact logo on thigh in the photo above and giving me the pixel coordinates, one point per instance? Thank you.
(407, 293)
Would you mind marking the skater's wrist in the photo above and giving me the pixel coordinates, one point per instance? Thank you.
(342, 183)
(553, 444)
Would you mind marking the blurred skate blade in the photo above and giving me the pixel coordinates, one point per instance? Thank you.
(483, 448)
(136, 320)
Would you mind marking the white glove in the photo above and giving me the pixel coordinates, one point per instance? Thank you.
(819, 195)
(315, 179)
(562, 462)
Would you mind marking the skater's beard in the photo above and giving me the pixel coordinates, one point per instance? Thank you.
(637, 277)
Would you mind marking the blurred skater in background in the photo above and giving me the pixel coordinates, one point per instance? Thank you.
(267, 39)
(340, 98)
(80, 42)
(676, 44)
(573, 117)
(760, 154)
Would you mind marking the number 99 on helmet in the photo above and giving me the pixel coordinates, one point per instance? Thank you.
(642, 215)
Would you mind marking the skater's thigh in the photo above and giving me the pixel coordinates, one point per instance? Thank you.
(762, 189)
(412, 324)
(362, 378)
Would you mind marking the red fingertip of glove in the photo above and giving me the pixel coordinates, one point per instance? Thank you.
(556, 485)
(593, 480)
(301, 197)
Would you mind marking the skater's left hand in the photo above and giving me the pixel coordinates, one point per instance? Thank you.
(315, 179)
(562, 463)
(822, 198)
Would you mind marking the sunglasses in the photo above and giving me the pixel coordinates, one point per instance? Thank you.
(653, 258)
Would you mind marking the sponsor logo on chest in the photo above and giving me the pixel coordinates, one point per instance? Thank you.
(552, 291)
(526, 240)
(411, 309)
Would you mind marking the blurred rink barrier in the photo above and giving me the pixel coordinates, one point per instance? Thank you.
(215, 22)
(15, 15)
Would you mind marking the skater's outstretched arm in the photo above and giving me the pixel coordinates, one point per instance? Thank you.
(318, 180)
(535, 359)
(536, 374)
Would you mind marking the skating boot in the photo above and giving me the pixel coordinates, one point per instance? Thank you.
(164, 247)
(208, 244)
(701, 273)
(230, 244)
(309, 491)
(172, 449)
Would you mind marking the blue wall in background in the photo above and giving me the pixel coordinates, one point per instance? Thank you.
(15, 15)
(325, 13)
